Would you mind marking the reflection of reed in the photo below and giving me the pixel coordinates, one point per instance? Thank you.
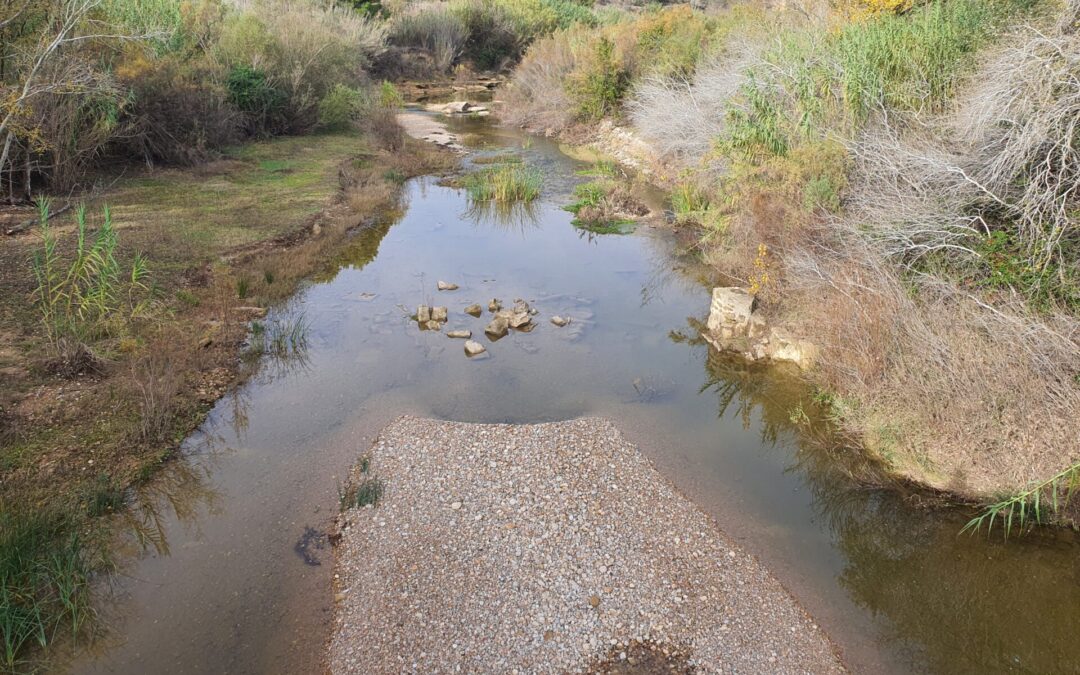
(501, 215)
(182, 488)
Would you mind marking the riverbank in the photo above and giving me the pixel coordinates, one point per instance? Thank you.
(223, 242)
(547, 548)
(946, 348)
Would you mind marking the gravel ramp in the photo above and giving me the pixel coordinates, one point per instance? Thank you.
(549, 548)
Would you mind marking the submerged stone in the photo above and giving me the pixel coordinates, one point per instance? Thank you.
(423, 314)
(497, 328)
(438, 314)
(474, 348)
(474, 310)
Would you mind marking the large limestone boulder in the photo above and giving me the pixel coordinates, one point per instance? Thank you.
(733, 326)
(782, 347)
(730, 312)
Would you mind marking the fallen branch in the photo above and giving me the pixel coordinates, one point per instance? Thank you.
(27, 224)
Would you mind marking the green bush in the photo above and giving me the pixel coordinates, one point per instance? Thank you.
(341, 108)
(251, 91)
(597, 87)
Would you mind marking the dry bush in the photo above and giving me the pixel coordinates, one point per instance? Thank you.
(949, 390)
(178, 115)
(1020, 123)
(682, 118)
(1002, 167)
(304, 48)
(383, 127)
(433, 27)
(537, 97)
(156, 377)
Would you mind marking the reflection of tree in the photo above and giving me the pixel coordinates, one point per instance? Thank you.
(356, 251)
(970, 604)
(949, 602)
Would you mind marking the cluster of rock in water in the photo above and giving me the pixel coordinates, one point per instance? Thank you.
(519, 318)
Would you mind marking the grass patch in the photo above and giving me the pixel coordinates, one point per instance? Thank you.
(260, 191)
(505, 183)
(366, 492)
(44, 582)
(498, 159)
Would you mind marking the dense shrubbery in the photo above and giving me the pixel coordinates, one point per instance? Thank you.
(582, 74)
(489, 33)
(165, 80)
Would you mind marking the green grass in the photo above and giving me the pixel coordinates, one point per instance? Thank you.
(910, 62)
(262, 190)
(505, 183)
(366, 492)
(44, 583)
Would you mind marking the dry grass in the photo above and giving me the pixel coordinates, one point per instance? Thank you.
(945, 388)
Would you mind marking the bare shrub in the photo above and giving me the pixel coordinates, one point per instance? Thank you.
(434, 28)
(1021, 125)
(537, 97)
(157, 380)
(682, 117)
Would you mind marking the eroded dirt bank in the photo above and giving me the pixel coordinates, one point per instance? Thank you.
(548, 548)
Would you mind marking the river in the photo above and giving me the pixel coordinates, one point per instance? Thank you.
(227, 568)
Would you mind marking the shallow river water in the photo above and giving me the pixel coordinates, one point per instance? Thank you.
(228, 570)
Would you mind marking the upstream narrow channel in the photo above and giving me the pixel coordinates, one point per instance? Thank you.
(228, 569)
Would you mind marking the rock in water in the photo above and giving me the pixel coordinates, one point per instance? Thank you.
(474, 310)
(438, 314)
(423, 314)
(474, 348)
(494, 305)
(520, 320)
(466, 334)
(559, 321)
(433, 325)
(729, 314)
(447, 286)
(497, 328)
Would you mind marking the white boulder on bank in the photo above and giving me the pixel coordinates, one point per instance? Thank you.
(734, 326)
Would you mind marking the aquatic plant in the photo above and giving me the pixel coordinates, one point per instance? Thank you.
(505, 183)
(1030, 506)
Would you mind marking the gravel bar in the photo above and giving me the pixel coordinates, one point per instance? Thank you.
(549, 548)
